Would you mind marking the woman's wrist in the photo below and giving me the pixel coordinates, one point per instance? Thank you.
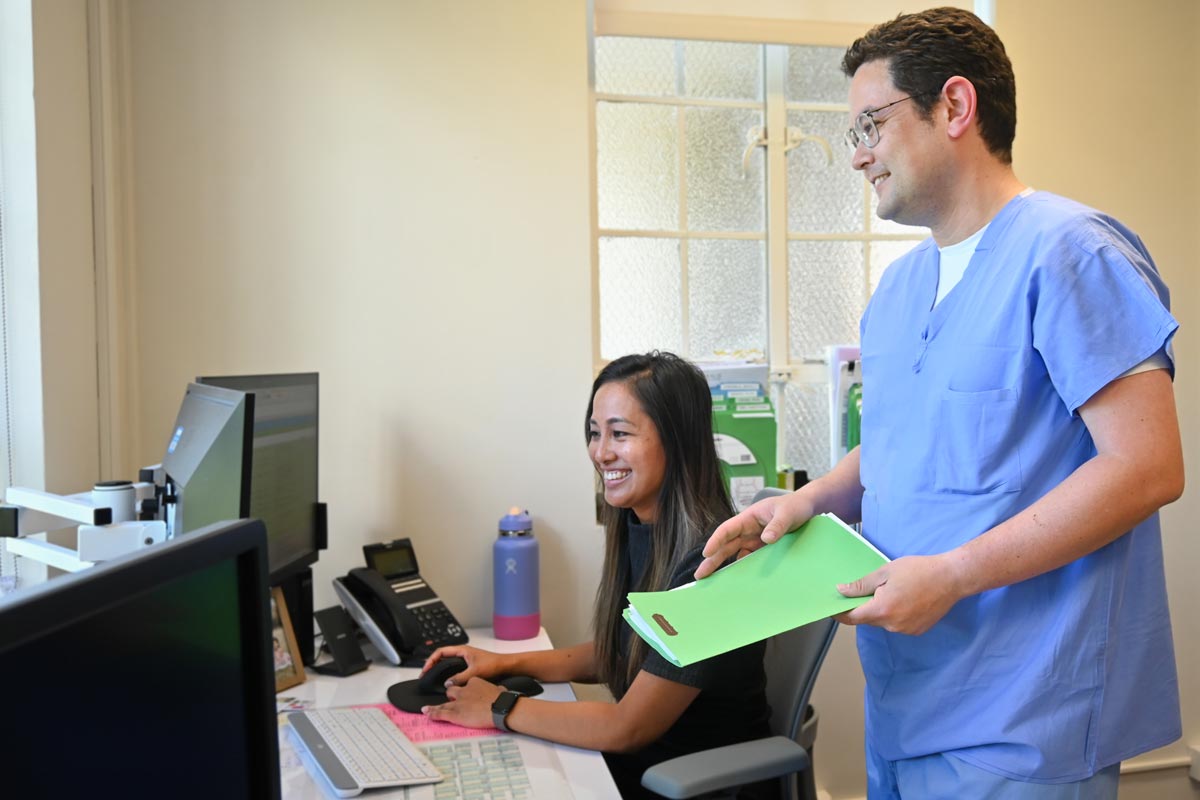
(508, 664)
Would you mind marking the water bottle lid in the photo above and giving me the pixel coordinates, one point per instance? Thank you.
(516, 522)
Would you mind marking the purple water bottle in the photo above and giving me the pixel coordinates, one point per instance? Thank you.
(515, 613)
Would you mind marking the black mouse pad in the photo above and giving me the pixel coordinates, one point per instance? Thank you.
(407, 696)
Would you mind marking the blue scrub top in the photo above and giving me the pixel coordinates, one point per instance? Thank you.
(969, 416)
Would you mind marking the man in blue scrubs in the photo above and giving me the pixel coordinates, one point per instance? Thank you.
(1019, 436)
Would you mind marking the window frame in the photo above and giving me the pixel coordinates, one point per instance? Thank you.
(785, 368)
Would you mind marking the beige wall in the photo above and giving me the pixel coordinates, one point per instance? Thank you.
(396, 195)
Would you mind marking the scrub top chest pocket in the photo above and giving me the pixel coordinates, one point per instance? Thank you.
(977, 448)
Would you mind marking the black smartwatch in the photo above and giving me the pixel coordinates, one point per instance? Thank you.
(504, 704)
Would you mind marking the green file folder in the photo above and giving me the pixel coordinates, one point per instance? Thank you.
(780, 586)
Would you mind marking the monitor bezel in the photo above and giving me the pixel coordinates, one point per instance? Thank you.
(49, 607)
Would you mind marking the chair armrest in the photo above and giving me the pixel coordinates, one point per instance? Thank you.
(807, 736)
(722, 767)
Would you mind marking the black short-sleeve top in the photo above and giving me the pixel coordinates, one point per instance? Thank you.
(732, 704)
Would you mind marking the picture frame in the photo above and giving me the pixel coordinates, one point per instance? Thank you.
(289, 669)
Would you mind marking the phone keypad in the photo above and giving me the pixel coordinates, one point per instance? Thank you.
(438, 625)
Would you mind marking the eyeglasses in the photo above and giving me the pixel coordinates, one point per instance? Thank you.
(866, 127)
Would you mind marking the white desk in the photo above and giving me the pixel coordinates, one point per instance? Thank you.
(584, 770)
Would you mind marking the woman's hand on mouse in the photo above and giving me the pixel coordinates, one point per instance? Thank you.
(480, 663)
(469, 705)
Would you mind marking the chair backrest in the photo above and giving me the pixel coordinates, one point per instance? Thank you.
(792, 661)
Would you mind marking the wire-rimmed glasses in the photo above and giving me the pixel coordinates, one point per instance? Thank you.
(866, 128)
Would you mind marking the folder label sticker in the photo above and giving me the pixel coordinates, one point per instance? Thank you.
(778, 587)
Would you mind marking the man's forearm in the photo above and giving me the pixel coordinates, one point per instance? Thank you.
(1137, 470)
(1095, 505)
(839, 491)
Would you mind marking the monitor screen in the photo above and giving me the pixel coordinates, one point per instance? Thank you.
(208, 458)
(148, 674)
(283, 484)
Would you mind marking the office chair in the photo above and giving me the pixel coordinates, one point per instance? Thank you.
(792, 661)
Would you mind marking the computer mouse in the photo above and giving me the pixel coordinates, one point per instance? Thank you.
(521, 684)
(434, 679)
(427, 690)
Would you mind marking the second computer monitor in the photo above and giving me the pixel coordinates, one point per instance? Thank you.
(283, 483)
(208, 459)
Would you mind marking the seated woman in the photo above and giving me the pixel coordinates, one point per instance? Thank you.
(649, 435)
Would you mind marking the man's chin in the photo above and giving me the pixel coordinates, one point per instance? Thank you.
(896, 216)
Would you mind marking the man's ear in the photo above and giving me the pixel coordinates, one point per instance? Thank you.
(960, 106)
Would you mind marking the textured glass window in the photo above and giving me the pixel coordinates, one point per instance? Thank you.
(722, 70)
(674, 119)
(637, 166)
(626, 65)
(806, 429)
(883, 254)
(825, 295)
(727, 303)
(640, 290)
(814, 75)
(823, 197)
(720, 198)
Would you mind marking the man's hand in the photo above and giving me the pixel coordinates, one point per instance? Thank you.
(911, 595)
(762, 523)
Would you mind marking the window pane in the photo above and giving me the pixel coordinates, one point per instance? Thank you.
(722, 70)
(720, 198)
(727, 284)
(825, 295)
(806, 429)
(626, 65)
(883, 254)
(639, 296)
(637, 166)
(815, 75)
(823, 197)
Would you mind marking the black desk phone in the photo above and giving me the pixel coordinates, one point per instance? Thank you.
(400, 613)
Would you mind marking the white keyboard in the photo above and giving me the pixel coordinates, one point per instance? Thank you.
(360, 748)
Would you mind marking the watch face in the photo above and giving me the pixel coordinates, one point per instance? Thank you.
(504, 702)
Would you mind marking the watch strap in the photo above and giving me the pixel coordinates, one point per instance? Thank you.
(501, 707)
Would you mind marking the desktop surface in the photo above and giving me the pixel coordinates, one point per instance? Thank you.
(583, 771)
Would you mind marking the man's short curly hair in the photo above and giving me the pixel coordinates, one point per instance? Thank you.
(925, 49)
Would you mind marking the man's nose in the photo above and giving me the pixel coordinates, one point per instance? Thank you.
(861, 157)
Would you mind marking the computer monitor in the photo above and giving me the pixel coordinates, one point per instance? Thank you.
(207, 462)
(283, 472)
(151, 674)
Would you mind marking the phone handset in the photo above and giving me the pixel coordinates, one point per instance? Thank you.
(371, 601)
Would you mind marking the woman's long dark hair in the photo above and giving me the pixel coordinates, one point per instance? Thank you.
(692, 501)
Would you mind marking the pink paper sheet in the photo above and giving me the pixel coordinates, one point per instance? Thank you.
(420, 728)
